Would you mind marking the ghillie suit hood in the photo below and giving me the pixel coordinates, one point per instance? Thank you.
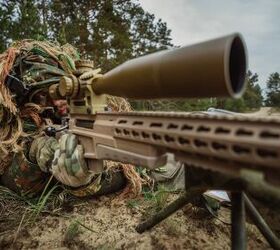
(26, 68)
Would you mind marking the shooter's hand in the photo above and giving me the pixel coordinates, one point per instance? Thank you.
(69, 166)
(63, 158)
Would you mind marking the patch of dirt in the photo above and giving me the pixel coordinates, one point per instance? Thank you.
(266, 112)
(112, 225)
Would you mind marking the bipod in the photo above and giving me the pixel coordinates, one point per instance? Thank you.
(240, 204)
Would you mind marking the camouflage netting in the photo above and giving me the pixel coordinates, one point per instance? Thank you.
(38, 64)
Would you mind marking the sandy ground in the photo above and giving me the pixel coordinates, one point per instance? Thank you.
(112, 226)
(265, 112)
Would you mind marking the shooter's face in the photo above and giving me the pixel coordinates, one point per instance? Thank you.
(61, 106)
(43, 99)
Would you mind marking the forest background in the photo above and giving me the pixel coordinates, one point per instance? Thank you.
(111, 32)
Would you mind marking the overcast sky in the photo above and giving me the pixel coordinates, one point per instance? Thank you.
(192, 21)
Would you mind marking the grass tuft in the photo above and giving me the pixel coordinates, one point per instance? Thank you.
(74, 230)
(159, 198)
(17, 211)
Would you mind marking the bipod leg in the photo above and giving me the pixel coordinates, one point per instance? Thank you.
(261, 224)
(238, 228)
(170, 209)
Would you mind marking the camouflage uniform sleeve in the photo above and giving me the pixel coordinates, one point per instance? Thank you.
(21, 173)
(28, 173)
(42, 152)
(24, 177)
(64, 159)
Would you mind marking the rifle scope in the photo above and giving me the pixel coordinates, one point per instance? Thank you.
(213, 68)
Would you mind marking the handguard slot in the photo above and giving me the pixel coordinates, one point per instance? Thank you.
(84, 123)
(79, 103)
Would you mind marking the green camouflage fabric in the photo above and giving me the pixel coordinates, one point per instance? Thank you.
(42, 151)
(27, 156)
(69, 165)
(42, 64)
(28, 175)
(35, 65)
(24, 177)
(92, 188)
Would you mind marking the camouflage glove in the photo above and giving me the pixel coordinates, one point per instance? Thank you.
(69, 166)
(42, 152)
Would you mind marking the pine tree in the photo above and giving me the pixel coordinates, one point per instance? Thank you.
(6, 18)
(27, 24)
(273, 90)
(252, 98)
(108, 31)
(20, 19)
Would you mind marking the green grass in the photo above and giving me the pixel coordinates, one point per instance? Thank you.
(159, 198)
(20, 211)
(74, 229)
(133, 203)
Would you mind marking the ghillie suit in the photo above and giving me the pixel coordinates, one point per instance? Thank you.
(27, 156)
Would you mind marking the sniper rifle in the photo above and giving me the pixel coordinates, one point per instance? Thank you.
(243, 153)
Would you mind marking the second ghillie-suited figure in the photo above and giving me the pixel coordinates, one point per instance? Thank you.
(28, 155)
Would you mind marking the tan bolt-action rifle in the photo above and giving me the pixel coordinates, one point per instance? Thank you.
(238, 147)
